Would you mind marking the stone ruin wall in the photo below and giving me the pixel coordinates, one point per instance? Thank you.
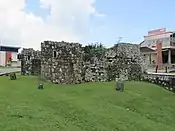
(94, 71)
(30, 62)
(128, 61)
(145, 61)
(122, 60)
(61, 62)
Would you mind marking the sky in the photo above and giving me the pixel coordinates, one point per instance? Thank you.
(27, 23)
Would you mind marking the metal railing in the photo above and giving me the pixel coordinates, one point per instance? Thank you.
(162, 67)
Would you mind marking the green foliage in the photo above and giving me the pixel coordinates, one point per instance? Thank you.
(84, 107)
(94, 50)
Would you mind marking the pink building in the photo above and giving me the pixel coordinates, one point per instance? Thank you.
(148, 47)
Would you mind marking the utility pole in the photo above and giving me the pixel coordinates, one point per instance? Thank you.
(119, 39)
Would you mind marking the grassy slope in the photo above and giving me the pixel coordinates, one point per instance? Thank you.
(85, 107)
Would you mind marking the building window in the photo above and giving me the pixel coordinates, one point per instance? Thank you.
(28, 57)
(54, 54)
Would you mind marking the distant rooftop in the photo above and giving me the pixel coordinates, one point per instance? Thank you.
(158, 32)
(169, 32)
(9, 47)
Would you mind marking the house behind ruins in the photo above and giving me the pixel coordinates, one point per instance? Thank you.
(166, 57)
(9, 56)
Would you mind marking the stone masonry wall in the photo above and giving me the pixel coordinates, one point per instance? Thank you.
(123, 60)
(30, 62)
(94, 71)
(145, 61)
(61, 62)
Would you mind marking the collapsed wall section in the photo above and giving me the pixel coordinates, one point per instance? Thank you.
(123, 60)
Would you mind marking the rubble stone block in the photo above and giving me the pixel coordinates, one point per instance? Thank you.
(30, 62)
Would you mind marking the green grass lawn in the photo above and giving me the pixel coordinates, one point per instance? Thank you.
(84, 107)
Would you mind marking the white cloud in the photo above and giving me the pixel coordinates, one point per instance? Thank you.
(68, 20)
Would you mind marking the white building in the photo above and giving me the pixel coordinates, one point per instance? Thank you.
(9, 55)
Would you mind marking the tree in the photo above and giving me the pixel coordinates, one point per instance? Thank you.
(94, 50)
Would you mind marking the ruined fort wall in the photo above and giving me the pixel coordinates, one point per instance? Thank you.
(63, 63)
(124, 60)
(30, 62)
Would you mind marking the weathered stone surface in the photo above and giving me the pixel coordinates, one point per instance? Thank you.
(30, 62)
(95, 71)
(124, 60)
(61, 62)
(144, 61)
